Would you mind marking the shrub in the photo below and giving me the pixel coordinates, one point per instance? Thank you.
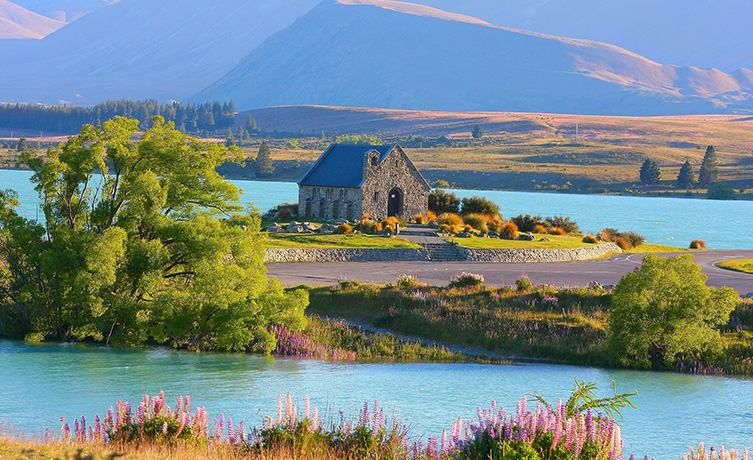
(365, 226)
(477, 221)
(466, 279)
(698, 244)
(524, 283)
(720, 191)
(431, 216)
(450, 219)
(455, 229)
(392, 223)
(378, 227)
(539, 229)
(478, 205)
(345, 229)
(389, 230)
(590, 239)
(445, 228)
(509, 231)
(406, 281)
(622, 243)
(569, 225)
(528, 222)
(557, 231)
(441, 202)
(633, 238)
(420, 219)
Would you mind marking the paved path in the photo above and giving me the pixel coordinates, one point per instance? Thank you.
(560, 274)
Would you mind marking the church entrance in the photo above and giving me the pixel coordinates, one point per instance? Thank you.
(394, 203)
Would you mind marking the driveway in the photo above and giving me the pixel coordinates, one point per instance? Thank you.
(608, 271)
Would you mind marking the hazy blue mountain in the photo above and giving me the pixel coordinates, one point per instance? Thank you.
(64, 10)
(17, 22)
(381, 53)
(701, 33)
(137, 49)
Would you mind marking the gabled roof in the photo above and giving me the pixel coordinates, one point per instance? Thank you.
(341, 165)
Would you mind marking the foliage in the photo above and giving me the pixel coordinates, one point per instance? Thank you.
(584, 398)
(359, 139)
(709, 168)
(527, 223)
(569, 225)
(663, 311)
(344, 229)
(478, 205)
(650, 172)
(406, 281)
(590, 239)
(22, 145)
(698, 244)
(540, 229)
(477, 222)
(686, 178)
(478, 132)
(557, 231)
(450, 219)
(721, 191)
(523, 284)
(466, 279)
(154, 249)
(625, 240)
(441, 202)
(509, 231)
(283, 212)
(264, 166)
(738, 265)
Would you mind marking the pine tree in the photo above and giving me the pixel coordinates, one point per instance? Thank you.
(251, 125)
(709, 168)
(650, 172)
(264, 165)
(22, 145)
(685, 179)
(478, 132)
(229, 138)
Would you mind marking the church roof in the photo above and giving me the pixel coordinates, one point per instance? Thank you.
(341, 165)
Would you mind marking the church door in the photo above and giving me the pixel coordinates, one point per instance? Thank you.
(394, 203)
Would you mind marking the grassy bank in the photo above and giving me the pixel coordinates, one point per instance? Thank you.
(358, 241)
(566, 325)
(738, 265)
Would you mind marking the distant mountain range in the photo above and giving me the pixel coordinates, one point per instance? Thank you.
(393, 54)
(64, 10)
(17, 22)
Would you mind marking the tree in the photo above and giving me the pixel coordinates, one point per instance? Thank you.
(153, 249)
(650, 172)
(685, 179)
(229, 137)
(479, 205)
(22, 144)
(663, 311)
(478, 132)
(441, 202)
(264, 165)
(709, 168)
(720, 191)
(251, 125)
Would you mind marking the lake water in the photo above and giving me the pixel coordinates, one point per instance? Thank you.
(672, 221)
(40, 383)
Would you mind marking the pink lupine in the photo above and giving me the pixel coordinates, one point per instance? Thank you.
(164, 428)
(47, 437)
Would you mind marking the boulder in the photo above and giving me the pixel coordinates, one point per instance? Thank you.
(308, 227)
(526, 237)
(544, 239)
(465, 235)
(294, 227)
(326, 229)
(339, 222)
(434, 224)
(275, 228)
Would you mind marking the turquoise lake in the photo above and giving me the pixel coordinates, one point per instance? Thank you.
(39, 384)
(671, 221)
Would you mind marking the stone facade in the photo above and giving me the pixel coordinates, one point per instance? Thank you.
(387, 183)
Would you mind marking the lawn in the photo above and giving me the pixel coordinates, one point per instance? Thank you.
(359, 241)
(555, 241)
(738, 265)
(654, 248)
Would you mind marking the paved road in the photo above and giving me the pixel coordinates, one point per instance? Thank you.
(560, 274)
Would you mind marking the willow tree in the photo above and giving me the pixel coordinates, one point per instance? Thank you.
(142, 241)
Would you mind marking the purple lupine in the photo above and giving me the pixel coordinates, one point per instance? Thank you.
(47, 437)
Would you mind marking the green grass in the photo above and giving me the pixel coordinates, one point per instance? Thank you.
(738, 265)
(653, 248)
(359, 241)
(555, 241)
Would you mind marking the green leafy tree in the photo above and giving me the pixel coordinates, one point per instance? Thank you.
(478, 132)
(441, 202)
(650, 172)
(686, 178)
(153, 249)
(663, 311)
(478, 205)
(709, 168)
(721, 191)
(264, 165)
(22, 144)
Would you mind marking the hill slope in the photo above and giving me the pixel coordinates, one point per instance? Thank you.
(64, 10)
(389, 54)
(699, 33)
(139, 49)
(17, 22)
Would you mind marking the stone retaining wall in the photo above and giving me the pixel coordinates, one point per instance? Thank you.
(539, 254)
(470, 255)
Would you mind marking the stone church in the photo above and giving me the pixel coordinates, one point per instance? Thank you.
(349, 181)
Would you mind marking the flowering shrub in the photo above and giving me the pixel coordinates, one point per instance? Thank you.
(466, 279)
(406, 281)
(550, 301)
(713, 454)
(523, 283)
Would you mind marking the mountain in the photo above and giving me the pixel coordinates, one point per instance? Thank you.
(64, 10)
(19, 23)
(702, 33)
(137, 49)
(390, 54)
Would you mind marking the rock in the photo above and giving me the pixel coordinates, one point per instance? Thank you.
(465, 235)
(309, 227)
(749, 295)
(434, 224)
(526, 237)
(339, 222)
(326, 229)
(544, 239)
(294, 227)
(275, 228)
(493, 234)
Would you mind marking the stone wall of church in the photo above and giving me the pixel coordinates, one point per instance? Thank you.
(330, 203)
